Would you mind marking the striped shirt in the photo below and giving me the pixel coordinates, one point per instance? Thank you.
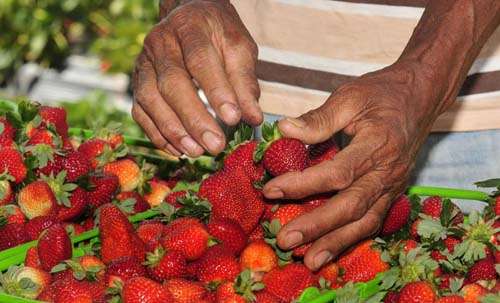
(307, 48)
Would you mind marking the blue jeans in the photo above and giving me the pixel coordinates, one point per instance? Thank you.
(456, 160)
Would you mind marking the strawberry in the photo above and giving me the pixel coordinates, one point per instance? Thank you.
(185, 291)
(73, 229)
(482, 270)
(77, 205)
(55, 116)
(414, 229)
(256, 234)
(11, 214)
(32, 259)
(11, 161)
(451, 242)
(76, 165)
(450, 299)
(73, 291)
(288, 282)
(287, 212)
(437, 255)
(24, 281)
(417, 292)
(136, 202)
(111, 134)
(397, 216)
(35, 226)
(158, 191)
(54, 246)
(227, 293)
(445, 280)
(103, 189)
(150, 232)
(144, 290)
(473, 293)
(37, 199)
(362, 263)
(229, 233)
(241, 157)
(118, 238)
(259, 256)
(497, 206)
(188, 236)
(330, 272)
(409, 245)
(391, 297)
(218, 264)
(174, 196)
(12, 235)
(232, 195)
(7, 133)
(432, 206)
(265, 297)
(93, 266)
(96, 151)
(323, 151)
(164, 265)
(127, 171)
(53, 165)
(6, 193)
(123, 269)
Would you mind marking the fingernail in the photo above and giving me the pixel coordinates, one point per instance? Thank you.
(293, 238)
(296, 122)
(229, 112)
(274, 193)
(190, 146)
(322, 258)
(211, 141)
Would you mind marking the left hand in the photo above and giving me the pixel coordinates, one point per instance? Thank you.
(388, 114)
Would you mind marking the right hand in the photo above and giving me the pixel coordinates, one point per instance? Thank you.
(201, 42)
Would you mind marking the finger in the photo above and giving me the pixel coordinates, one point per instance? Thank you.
(337, 174)
(178, 90)
(162, 116)
(345, 207)
(240, 67)
(320, 124)
(205, 65)
(152, 131)
(332, 244)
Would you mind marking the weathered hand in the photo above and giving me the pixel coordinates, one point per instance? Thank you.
(205, 43)
(387, 114)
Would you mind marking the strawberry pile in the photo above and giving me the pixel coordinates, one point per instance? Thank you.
(214, 239)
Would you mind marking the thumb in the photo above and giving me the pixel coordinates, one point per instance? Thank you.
(320, 124)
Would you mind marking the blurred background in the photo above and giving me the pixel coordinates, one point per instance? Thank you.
(78, 53)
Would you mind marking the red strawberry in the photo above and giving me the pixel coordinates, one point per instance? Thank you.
(127, 171)
(185, 291)
(229, 233)
(72, 291)
(397, 216)
(226, 293)
(54, 246)
(285, 155)
(482, 270)
(140, 204)
(6, 193)
(391, 297)
(151, 232)
(32, 259)
(173, 196)
(497, 206)
(12, 235)
(159, 190)
(37, 199)
(256, 234)
(362, 263)
(473, 293)
(323, 151)
(118, 238)
(445, 280)
(144, 290)
(287, 212)
(55, 116)
(259, 256)
(437, 255)
(35, 226)
(451, 242)
(218, 264)
(432, 206)
(164, 265)
(53, 167)
(301, 251)
(414, 229)
(330, 272)
(95, 150)
(266, 297)
(76, 165)
(7, 133)
(123, 269)
(451, 299)
(77, 205)
(24, 281)
(408, 245)
(288, 282)
(73, 229)
(11, 214)
(104, 188)
(188, 236)
(242, 158)
(417, 292)
(12, 162)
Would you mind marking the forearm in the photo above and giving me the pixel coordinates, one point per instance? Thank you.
(447, 40)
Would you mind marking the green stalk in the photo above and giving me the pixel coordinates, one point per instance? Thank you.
(450, 193)
(5, 298)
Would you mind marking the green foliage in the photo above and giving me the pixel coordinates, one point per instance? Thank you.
(47, 31)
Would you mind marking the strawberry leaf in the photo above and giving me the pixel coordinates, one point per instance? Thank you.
(489, 183)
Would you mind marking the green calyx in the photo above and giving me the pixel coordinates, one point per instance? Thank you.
(245, 286)
(153, 258)
(109, 154)
(416, 265)
(5, 187)
(271, 230)
(270, 133)
(77, 270)
(42, 154)
(193, 206)
(62, 191)
(126, 206)
(431, 229)
(147, 173)
(12, 282)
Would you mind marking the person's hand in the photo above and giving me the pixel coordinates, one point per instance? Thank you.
(200, 43)
(388, 114)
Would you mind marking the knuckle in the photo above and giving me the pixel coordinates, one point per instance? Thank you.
(135, 113)
(357, 206)
(340, 178)
(373, 224)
